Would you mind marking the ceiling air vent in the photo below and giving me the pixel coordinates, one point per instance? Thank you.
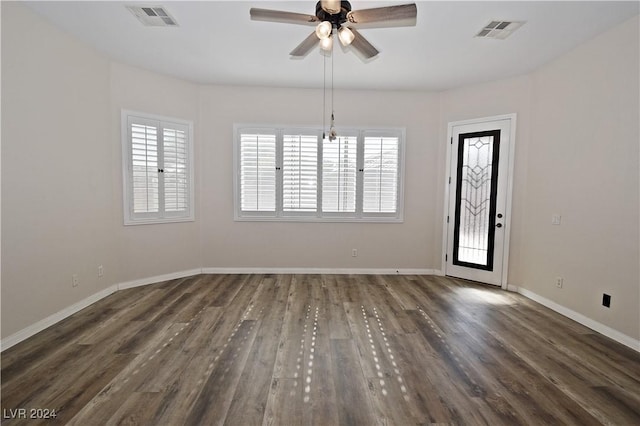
(499, 29)
(153, 16)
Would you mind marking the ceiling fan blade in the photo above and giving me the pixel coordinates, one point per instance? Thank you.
(363, 46)
(392, 16)
(280, 16)
(305, 47)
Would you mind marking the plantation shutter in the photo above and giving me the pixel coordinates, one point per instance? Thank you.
(300, 173)
(380, 180)
(175, 171)
(157, 172)
(293, 174)
(145, 182)
(339, 167)
(258, 172)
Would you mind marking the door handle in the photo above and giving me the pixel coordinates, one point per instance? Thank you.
(499, 225)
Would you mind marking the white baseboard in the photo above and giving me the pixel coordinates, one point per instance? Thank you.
(579, 318)
(320, 271)
(513, 288)
(158, 279)
(33, 329)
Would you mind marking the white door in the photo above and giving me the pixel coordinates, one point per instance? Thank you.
(478, 195)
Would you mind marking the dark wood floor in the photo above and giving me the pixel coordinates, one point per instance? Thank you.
(320, 349)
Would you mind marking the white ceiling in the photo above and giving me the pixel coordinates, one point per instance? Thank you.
(217, 43)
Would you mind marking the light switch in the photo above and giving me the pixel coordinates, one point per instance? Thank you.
(556, 219)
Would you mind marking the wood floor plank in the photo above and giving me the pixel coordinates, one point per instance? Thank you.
(602, 371)
(451, 358)
(203, 324)
(228, 289)
(427, 292)
(254, 299)
(247, 406)
(295, 323)
(320, 402)
(626, 406)
(141, 368)
(337, 323)
(516, 378)
(182, 390)
(303, 357)
(174, 290)
(112, 327)
(364, 343)
(17, 359)
(311, 349)
(138, 409)
(432, 396)
(239, 307)
(283, 404)
(618, 367)
(71, 399)
(154, 326)
(480, 390)
(397, 290)
(376, 295)
(216, 396)
(354, 406)
(319, 395)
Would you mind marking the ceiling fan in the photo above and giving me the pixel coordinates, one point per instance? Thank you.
(337, 15)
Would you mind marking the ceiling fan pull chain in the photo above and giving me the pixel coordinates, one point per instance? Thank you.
(324, 95)
(332, 130)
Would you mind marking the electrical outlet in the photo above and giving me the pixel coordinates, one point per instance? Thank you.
(559, 282)
(354, 253)
(74, 280)
(100, 271)
(556, 219)
(606, 300)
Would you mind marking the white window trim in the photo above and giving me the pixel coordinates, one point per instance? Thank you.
(143, 219)
(333, 217)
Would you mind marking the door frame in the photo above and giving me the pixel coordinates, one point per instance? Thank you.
(451, 192)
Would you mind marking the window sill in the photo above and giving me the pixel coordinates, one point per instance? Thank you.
(308, 219)
(128, 222)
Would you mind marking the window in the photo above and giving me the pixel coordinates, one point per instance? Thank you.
(158, 172)
(258, 178)
(300, 173)
(293, 174)
(339, 167)
(380, 179)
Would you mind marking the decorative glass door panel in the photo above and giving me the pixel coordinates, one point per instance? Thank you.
(478, 206)
(477, 181)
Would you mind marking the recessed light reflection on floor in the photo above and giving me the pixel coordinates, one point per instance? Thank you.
(378, 360)
(308, 373)
(489, 297)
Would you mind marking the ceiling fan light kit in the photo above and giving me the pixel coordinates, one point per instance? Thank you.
(346, 36)
(326, 44)
(338, 16)
(324, 29)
